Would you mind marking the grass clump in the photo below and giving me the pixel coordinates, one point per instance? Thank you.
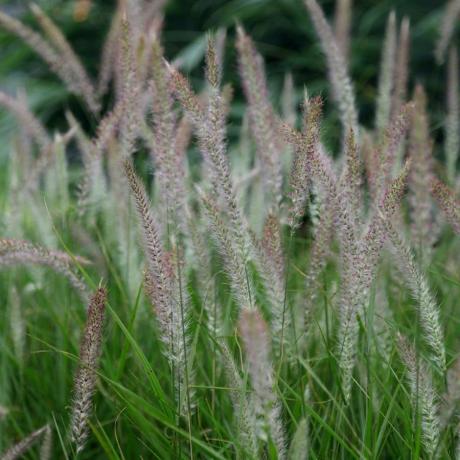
(269, 299)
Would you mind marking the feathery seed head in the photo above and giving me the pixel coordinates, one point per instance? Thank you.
(18, 450)
(449, 20)
(212, 66)
(448, 202)
(402, 67)
(423, 395)
(386, 75)
(255, 335)
(452, 123)
(338, 73)
(85, 378)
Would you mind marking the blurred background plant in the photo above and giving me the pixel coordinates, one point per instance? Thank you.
(282, 33)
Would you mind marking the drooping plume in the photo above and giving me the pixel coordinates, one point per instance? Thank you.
(58, 62)
(18, 450)
(18, 252)
(66, 52)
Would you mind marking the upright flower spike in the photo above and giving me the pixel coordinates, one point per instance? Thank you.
(420, 147)
(350, 180)
(348, 214)
(429, 313)
(392, 141)
(165, 291)
(446, 31)
(109, 52)
(371, 159)
(189, 101)
(288, 100)
(86, 376)
(93, 185)
(311, 164)
(320, 251)
(254, 333)
(17, 325)
(402, 68)
(448, 202)
(386, 75)
(169, 167)
(375, 236)
(298, 449)
(360, 260)
(47, 158)
(108, 126)
(130, 120)
(213, 65)
(342, 25)
(311, 153)
(234, 265)
(423, 396)
(300, 172)
(206, 284)
(243, 406)
(338, 73)
(269, 259)
(272, 243)
(452, 122)
(261, 114)
(159, 285)
(209, 123)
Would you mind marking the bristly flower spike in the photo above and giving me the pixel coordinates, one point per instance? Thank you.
(338, 73)
(448, 202)
(449, 20)
(254, 333)
(402, 67)
(423, 396)
(261, 113)
(386, 75)
(86, 376)
(18, 450)
(452, 122)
